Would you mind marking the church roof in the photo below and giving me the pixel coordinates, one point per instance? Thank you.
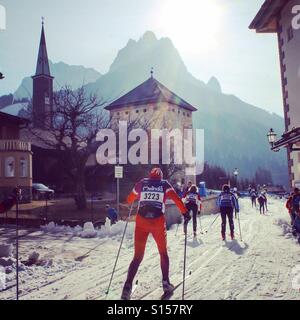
(150, 91)
(42, 67)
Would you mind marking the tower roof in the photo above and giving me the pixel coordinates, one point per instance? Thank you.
(42, 67)
(150, 91)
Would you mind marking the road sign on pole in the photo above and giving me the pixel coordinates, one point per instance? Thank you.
(118, 172)
(118, 176)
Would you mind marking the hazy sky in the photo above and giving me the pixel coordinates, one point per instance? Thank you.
(212, 37)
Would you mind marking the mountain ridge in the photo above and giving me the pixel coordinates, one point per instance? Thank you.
(235, 131)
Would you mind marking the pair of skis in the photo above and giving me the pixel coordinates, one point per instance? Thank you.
(165, 295)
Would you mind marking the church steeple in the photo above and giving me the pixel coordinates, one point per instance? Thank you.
(42, 95)
(42, 67)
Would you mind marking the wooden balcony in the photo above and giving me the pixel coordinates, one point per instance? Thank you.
(14, 145)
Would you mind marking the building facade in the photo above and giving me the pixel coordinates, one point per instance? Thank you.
(276, 16)
(15, 157)
(155, 106)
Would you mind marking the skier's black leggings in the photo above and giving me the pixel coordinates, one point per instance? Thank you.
(227, 212)
(194, 208)
(261, 206)
(253, 199)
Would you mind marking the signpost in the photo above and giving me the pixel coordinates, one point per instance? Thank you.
(118, 176)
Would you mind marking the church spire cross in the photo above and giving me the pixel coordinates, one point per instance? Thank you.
(152, 72)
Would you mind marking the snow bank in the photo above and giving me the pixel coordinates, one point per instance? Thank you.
(89, 231)
(54, 228)
(2, 279)
(6, 250)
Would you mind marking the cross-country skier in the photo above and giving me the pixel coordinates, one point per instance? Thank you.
(187, 187)
(237, 195)
(262, 200)
(227, 202)
(253, 195)
(193, 203)
(152, 194)
(9, 202)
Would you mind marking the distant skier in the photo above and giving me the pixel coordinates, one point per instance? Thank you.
(187, 187)
(262, 200)
(112, 214)
(227, 202)
(253, 196)
(9, 202)
(193, 203)
(152, 194)
(237, 195)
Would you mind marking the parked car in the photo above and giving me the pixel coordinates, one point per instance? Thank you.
(41, 192)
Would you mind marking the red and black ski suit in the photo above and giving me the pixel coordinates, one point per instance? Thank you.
(152, 195)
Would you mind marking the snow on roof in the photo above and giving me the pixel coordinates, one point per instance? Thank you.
(14, 109)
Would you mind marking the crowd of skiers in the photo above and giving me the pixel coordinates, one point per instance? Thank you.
(151, 194)
(259, 195)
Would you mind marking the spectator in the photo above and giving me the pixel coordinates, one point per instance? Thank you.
(112, 214)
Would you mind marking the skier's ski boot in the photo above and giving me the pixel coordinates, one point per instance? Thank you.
(232, 236)
(167, 286)
(223, 237)
(126, 293)
(195, 234)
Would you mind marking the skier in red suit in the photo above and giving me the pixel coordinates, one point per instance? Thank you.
(152, 194)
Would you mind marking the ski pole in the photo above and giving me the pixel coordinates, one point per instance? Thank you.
(199, 217)
(17, 247)
(184, 261)
(212, 223)
(238, 215)
(117, 258)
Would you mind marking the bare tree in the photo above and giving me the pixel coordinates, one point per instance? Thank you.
(70, 129)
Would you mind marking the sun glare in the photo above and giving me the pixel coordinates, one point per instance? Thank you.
(193, 25)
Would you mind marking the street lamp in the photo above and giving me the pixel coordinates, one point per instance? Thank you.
(271, 137)
(236, 173)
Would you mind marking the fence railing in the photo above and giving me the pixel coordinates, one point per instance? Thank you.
(14, 145)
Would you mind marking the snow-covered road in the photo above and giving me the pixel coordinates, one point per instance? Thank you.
(260, 267)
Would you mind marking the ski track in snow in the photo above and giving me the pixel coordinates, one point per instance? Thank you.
(260, 267)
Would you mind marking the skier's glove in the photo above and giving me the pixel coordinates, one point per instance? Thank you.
(187, 217)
